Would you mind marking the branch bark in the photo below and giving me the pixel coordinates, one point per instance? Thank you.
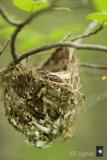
(55, 45)
(93, 66)
(61, 44)
(7, 18)
(92, 29)
(20, 25)
(74, 43)
(2, 49)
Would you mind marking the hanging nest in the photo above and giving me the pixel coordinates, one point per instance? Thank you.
(42, 105)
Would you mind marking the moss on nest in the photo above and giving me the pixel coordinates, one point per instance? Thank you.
(40, 105)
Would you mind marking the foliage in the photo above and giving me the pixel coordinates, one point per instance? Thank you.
(99, 16)
(100, 5)
(30, 5)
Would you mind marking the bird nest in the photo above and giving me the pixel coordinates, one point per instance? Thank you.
(41, 105)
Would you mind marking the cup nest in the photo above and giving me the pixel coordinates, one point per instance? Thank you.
(41, 105)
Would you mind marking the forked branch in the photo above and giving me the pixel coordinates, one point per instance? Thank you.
(74, 43)
(20, 25)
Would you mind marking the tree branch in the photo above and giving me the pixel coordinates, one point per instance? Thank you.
(7, 18)
(4, 46)
(93, 66)
(91, 30)
(89, 33)
(51, 46)
(60, 44)
(21, 26)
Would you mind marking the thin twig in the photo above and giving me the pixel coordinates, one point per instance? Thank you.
(60, 44)
(21, 26)
(73, 45)
(93, 66)
(89, 33)
(66, 37)
(51, 46)
(92, 28)
(2, 49)
(7, 18)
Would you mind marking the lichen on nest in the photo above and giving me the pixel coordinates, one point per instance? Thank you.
(40, 105)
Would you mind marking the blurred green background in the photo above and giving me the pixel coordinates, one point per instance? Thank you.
(91, 129)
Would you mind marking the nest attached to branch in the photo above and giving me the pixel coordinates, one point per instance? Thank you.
(42, 105)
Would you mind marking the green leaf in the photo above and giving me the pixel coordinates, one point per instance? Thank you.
(30, 5)
(100, 5)
(98, 16)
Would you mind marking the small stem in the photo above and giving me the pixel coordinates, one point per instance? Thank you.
(21, 26)
(89, 33)
(2, 49)
(93, 66)
(61, 44)
(7, 18)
